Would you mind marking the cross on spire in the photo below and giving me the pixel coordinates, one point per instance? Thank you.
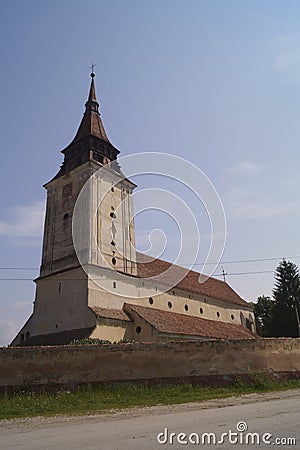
(92, 68)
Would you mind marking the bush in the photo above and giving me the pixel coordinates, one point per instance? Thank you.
(89, 341)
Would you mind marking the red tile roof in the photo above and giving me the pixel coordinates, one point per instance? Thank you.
(108, 313)
(148, 267)
(174, 323)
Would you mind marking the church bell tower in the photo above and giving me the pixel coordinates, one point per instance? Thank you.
(64, 290)
(114, 234)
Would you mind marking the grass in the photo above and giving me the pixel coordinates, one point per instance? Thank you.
(91, 400)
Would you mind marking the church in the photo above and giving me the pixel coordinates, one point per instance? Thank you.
(105, 289)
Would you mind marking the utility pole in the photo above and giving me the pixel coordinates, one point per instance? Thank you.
(297, 316)
(224, 274)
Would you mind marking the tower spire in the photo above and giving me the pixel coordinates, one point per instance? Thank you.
(92, 94)
(90, 142)
(91, 123)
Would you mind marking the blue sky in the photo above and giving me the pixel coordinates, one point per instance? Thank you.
(215, 82)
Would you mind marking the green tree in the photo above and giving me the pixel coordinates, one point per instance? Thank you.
(286, 294)
(263, 314)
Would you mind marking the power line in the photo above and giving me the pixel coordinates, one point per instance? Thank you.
(19, 268)
(196, 275)
(238, 261)
(223, 274)
(244, 273)
(17, 279)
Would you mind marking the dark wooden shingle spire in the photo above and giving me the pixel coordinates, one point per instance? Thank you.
(91, 123)
(90, 142)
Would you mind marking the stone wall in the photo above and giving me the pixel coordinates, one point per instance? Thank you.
(203, 361)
